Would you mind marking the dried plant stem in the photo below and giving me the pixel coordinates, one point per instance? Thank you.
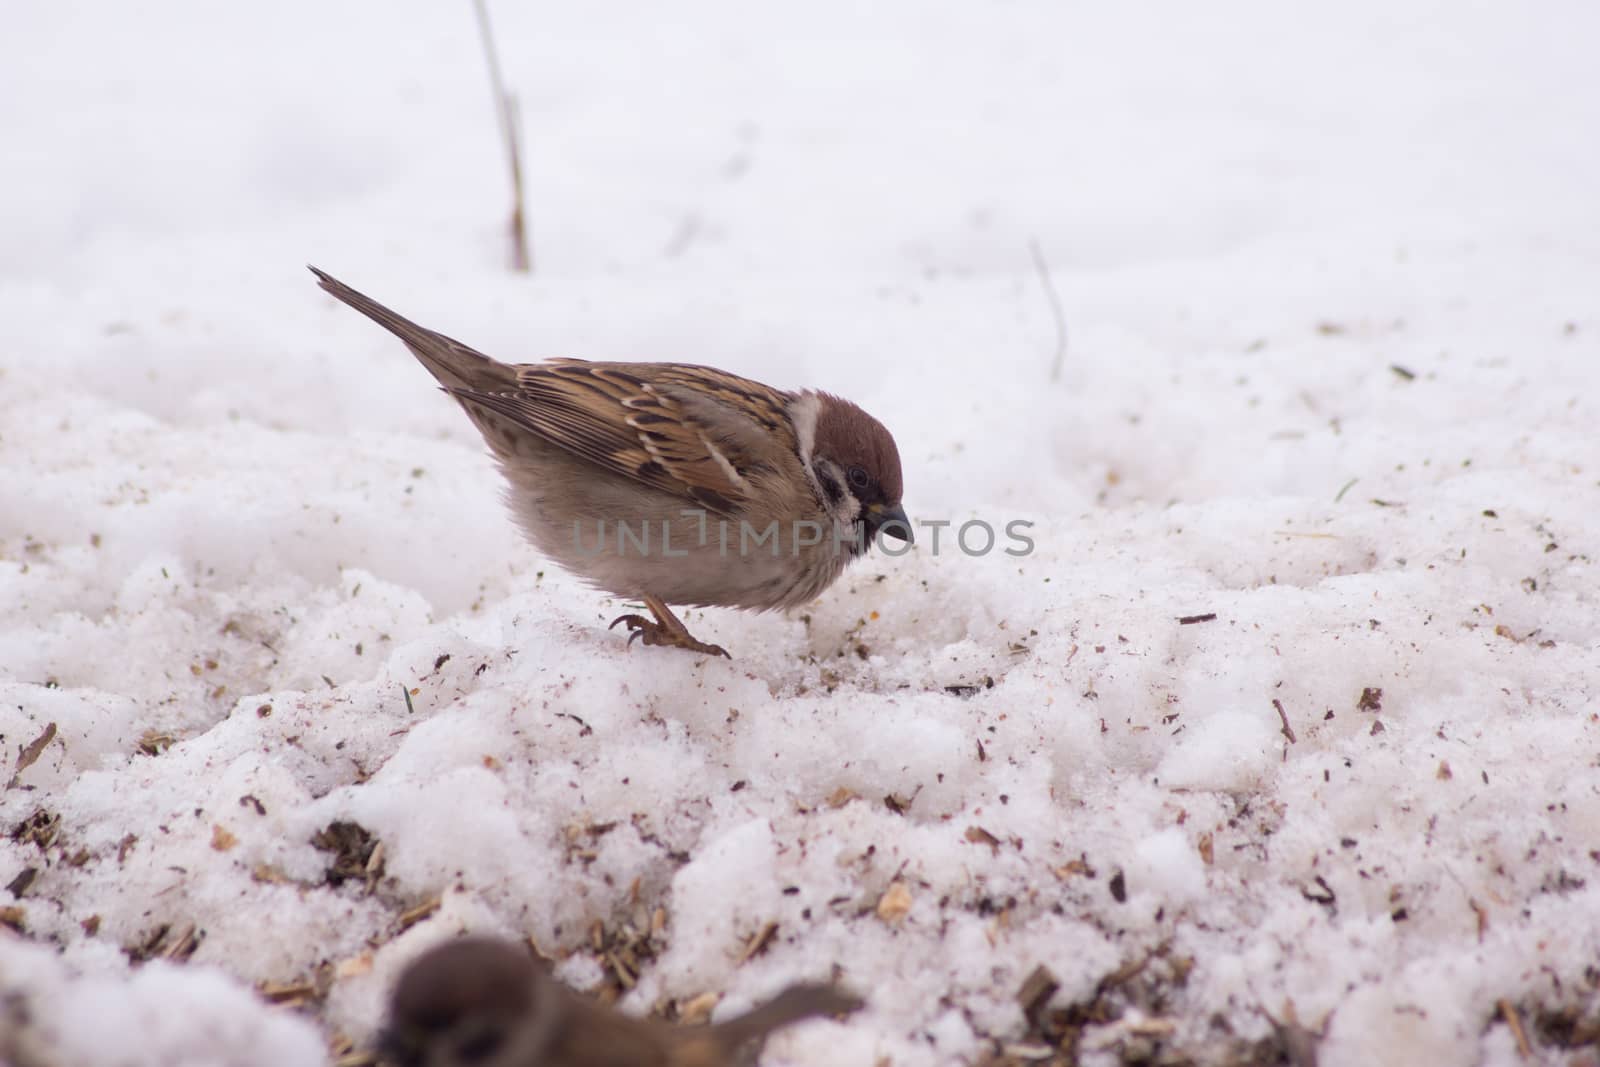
(1283, 717)
(1509, 1012)
(1056, 313)
(506, 112)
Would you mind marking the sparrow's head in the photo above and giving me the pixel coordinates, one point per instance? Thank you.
(858, 467)
(460, 1004)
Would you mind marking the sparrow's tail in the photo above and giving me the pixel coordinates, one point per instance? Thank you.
(455, 365)
(794, 1004)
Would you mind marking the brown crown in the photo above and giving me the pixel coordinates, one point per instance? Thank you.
(852, 438)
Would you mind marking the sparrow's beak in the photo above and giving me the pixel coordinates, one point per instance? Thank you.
(892, 521)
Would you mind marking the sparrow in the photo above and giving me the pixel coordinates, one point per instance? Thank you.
(715, 490)
(482, 1002)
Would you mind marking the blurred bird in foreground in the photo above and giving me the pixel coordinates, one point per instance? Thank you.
(479, 1002)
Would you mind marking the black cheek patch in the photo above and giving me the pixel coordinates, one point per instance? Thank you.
(830, 485)
(478, 1047)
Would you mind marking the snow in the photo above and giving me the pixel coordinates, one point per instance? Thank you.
(1332, 375)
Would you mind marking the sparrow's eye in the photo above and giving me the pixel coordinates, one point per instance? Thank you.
(860, 481)
(477, 1046)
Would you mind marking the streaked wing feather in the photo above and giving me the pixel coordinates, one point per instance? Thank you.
(691, 431)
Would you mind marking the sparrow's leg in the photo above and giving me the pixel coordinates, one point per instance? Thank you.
(667, 629)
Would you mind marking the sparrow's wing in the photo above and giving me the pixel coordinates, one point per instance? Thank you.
(694, 432)
(589, 1035)
(602, 1037)
(793, 1005)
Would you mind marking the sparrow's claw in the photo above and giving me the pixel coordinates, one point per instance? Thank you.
(665, 630)
(684, 641)
(638, 626)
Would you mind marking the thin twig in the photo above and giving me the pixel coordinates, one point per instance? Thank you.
(757, 944)
(521, 256)
(1283, 716)
(506, 111)
(1509, 1012)
(1056, 313)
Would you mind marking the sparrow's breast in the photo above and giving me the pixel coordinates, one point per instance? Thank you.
(629, 540)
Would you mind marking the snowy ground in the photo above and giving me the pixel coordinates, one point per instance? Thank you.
(1333, 375)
